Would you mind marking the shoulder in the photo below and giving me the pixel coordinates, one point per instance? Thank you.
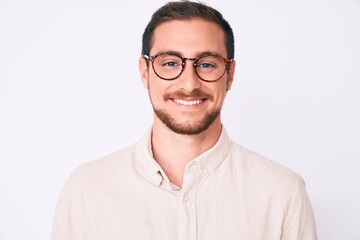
(269, 182)
(260, 169)
(277, 189)
(102, 170)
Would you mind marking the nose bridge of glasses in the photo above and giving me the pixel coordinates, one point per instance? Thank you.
(189, 59)
(192, 70)
(192, 59)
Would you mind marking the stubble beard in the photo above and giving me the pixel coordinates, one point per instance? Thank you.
(186, 128)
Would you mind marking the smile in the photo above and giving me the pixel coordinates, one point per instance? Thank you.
(188, 103)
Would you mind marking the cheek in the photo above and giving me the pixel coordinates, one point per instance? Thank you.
(220, 97)
(221, 92)
(157, 88)
(154, 93)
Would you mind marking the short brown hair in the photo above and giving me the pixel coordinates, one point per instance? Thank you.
(187, 10)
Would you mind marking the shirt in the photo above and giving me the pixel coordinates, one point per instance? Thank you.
(228, 192)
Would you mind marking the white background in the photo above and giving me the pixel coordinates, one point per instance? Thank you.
(70, 92)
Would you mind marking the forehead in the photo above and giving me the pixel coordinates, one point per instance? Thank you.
(189, 37)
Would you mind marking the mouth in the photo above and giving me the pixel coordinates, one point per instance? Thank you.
(189, 103)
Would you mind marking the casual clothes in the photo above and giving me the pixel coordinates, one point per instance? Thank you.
(228, 193)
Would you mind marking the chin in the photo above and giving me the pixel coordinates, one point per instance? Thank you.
(187, 128)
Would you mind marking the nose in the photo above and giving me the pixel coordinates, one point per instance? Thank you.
(189, 81)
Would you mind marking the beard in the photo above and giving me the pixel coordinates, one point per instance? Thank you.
(187, 127)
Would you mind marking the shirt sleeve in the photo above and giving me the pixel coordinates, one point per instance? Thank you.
(300, 222)
(65, 214)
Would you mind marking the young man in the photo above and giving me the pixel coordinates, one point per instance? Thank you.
(185, 179)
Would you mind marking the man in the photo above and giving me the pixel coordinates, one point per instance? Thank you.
(185, 179)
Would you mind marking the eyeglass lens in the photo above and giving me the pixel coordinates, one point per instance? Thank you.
(208, 68)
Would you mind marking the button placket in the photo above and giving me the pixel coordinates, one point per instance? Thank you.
(187, 205)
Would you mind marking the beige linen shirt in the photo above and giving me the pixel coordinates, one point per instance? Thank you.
(228, 193)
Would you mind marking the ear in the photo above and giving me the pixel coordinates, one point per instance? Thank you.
(231, 75)
(144, 72)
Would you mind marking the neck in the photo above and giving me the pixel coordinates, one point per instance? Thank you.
(173, 151)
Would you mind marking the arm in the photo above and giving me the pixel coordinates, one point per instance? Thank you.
(300, 222)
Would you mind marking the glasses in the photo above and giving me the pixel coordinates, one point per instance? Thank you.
(169, 66)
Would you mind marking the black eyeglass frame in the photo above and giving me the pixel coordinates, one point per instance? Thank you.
(183, 60)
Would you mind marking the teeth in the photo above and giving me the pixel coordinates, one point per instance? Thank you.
(188, 103)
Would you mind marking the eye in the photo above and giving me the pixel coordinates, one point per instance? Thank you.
(205, 65)
(170, 64)
(168, 61)
(208, 63)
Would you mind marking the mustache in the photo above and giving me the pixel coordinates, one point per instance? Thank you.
(196, 93)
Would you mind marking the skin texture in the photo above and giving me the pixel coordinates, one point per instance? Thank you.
(182, 132)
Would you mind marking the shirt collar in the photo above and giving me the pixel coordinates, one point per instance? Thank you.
(207, 162)
(145, 155)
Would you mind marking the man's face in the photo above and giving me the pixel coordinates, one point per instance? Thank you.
(187, 105)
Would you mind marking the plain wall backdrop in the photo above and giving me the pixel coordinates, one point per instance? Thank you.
(70, 92)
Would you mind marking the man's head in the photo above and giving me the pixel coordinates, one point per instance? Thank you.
(186, 10)
(190, 47)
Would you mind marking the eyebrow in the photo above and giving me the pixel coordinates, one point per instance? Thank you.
(200, 54)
